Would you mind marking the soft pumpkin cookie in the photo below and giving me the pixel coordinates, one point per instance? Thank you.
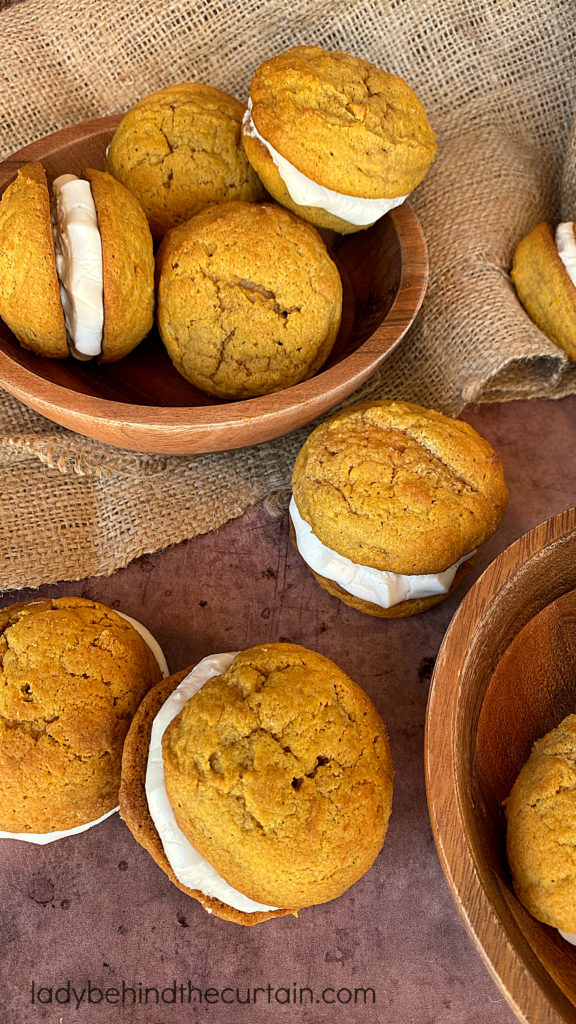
(546, 283)
(249, 301)
(390, 502)
(127, 264)
(29, 291)
(334, 138)
(72, 673)
(276, 768)
(541, 835)
(179, 149)
(76, 265)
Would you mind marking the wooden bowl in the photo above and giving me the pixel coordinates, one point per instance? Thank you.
(505, 675)
(143, 403)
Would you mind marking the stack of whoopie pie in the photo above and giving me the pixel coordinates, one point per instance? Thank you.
(249, 299)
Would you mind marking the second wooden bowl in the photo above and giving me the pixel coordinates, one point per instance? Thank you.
(144, 404)
(505, 675)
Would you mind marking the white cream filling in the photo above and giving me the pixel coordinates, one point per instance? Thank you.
(78, 248)
(189, 866)
(569, 936)
(382, 588)
(306, 192)
(566, 246)
(151, 641)
(41, 838)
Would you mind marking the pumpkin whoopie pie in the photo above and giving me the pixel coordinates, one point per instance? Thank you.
(179, 149)
(249, 301)
(334, 138)
(541, 833)
(79, 281)
(544, 275)
(260, 782)
(72, 674)
(390, 502)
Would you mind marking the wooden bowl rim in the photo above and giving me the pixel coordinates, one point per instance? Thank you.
(519, 976)
(358, 365)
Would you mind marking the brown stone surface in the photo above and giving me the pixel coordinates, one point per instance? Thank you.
(97, 908)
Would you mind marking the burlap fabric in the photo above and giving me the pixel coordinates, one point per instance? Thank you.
(497, 81)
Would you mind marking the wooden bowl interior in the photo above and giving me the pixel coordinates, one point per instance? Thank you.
(370, 265)
(532, 689)
(505, 675)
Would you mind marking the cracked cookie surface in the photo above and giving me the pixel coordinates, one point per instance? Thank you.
(249, 301)
(342, 122)
(541, 836)
(279, 771)
(72, 674)
(398, 487)
(180, 149)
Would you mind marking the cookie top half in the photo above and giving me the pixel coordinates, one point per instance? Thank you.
(398, 487)
(72, 673)
(249, 301)
(179, 149)
(279, 771)
(541, 836)
(127, 266)
(343, 122)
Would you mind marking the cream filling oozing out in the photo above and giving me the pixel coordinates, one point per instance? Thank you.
(566, 246)
(377, 586)
(569, 936)
(78, 246)
(41, 838)
(306, 192)
(189, 866)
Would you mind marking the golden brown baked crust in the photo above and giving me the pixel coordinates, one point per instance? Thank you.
(541, 837)
(179, 149)
(27, 255)
(249, 301)
(279, 771)
(127, 266)
(72, 674)
(545, 289)
(134, 806)
(397, 611)
(343, 122)
(398, 487)
(33, 313)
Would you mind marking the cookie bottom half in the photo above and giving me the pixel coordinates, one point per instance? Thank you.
(397, 611)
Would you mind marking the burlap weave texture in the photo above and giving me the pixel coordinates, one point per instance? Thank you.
(497, 81)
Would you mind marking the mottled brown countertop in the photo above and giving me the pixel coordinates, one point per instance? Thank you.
(95, 908)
